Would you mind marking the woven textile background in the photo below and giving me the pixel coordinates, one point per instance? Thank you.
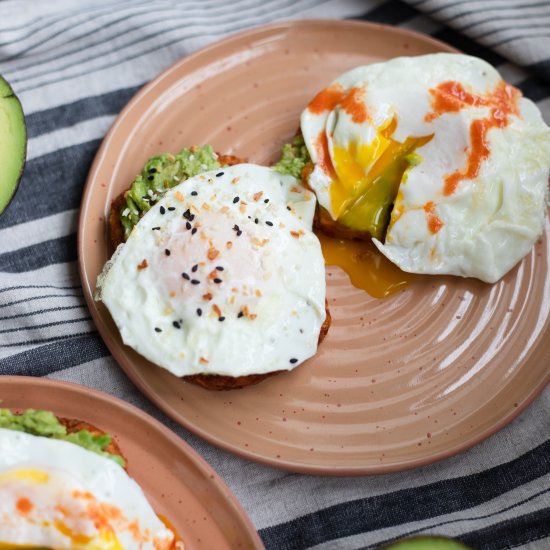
(74, 64)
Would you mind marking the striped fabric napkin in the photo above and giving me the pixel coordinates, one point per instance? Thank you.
(516, 29)
(74, 65)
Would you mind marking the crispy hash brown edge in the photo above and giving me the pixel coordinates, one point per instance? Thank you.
(219, 382)
(214, 382)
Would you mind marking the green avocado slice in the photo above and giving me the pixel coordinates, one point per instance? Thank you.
(427, 543)
(46, 424)
(13, 143)
(294, 157)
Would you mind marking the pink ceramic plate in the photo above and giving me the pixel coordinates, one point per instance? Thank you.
(178, 483)
(399, 382)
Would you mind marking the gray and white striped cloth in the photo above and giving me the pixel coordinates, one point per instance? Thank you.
(74, 65)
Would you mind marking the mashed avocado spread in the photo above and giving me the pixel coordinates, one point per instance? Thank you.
(165, 171)
(294, 157)
(159, 174)
(45, 424)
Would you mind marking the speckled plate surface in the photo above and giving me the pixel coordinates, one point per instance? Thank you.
(399, 382)
(178, 483)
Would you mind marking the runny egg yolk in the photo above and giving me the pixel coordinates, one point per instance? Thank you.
(366, 267)
(366, 178)
(106, 540)
(31, 475)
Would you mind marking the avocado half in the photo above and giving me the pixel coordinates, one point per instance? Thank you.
(13, 143)
(427, 543)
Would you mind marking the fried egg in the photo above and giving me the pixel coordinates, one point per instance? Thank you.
(437, 158)
(223, 276)
(54, 494)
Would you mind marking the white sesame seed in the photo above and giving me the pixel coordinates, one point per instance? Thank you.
(126, 212)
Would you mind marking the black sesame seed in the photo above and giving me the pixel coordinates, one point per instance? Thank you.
(294, 360)
(194, 268)
(162, 210)
(239, 233)
(158, 329)
(256, 220)
(219, 174)
(217, 280)
(241, 314)
(195, 282)
(269, 223)
(193, 231)
(236, 228)
(167, 252)
(288, 207)
(155, 229)
(199, 312)
(188, 225)
(191, 217)
(235, 200)
(171, 208)
(221, 319)
(266, 201)
(176, 324)
(185, 276)
(249, 217)
(219, 268)
(194, 193)
(187, 214)
(152, 170)
(150, 178)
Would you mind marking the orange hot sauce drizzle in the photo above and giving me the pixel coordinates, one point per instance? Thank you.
(434, 223)
(24, 505)
(450, 97)
(326, 99)
(351, 103)
(323, 155)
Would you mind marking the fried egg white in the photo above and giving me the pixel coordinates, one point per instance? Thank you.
(222, 276)
(54, 494)
(464, 158)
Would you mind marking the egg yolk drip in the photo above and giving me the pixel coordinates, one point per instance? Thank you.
(366, 267)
